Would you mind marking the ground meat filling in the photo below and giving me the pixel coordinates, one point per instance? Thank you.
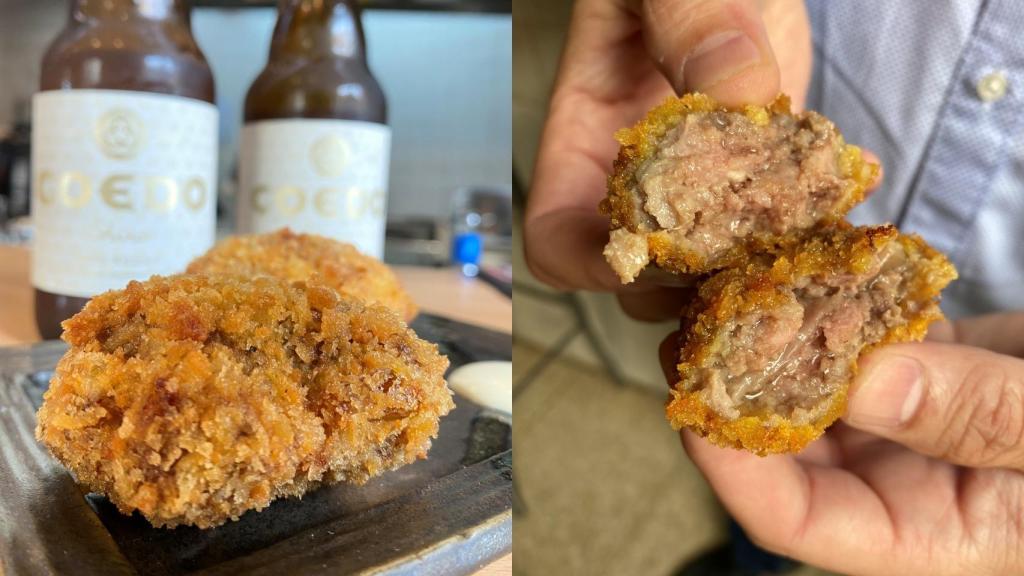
(790, 360)
(718, 176)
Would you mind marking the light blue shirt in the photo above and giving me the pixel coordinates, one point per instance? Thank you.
(936, 89)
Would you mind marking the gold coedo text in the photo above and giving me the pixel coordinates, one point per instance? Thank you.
(352, 203)
(127, 192)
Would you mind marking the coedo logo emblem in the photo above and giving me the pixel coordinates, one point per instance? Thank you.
(329, 155)
(120, 134)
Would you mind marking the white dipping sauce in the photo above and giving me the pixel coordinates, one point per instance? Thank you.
(486, 383)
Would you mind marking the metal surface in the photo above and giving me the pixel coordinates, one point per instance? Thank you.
(448, 514)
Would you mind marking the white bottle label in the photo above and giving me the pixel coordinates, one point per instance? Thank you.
(123, 187)
(327, 177)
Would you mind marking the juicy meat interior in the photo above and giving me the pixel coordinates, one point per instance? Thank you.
(718, 176)
(791, 358)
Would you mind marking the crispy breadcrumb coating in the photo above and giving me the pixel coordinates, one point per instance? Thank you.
(302, 257)
(848, 289)
(195, 398)
(694, 181)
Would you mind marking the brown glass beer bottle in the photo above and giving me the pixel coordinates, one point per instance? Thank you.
(315, 148)
(124, 153)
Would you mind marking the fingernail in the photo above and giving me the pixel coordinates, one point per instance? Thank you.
(719, 57)
(887, 393)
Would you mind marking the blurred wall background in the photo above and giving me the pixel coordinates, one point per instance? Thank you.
(447, 76)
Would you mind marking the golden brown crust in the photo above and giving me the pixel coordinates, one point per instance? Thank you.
(639, 144)
(301, 257)
(762, 435)
(195, 398)
(760, 284)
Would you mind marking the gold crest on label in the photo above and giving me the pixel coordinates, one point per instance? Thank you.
(329, 155)
(120, 133)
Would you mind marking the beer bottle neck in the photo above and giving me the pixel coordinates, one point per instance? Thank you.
(84, 11)
(318, 28)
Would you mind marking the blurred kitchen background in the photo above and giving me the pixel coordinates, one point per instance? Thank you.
(444, 65)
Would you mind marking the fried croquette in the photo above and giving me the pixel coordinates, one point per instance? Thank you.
(302, 257)
(769, 347)
(195, 398)
(695, 180)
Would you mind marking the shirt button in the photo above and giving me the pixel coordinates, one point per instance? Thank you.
(992, 87)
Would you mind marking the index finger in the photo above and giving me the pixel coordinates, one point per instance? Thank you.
(1002, 332)
(822, 515)
(603, 83)
(564, 249)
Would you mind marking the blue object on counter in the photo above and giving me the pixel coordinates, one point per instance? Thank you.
(466, 249)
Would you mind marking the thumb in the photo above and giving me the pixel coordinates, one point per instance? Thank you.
(958, 403)
(719, 47)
